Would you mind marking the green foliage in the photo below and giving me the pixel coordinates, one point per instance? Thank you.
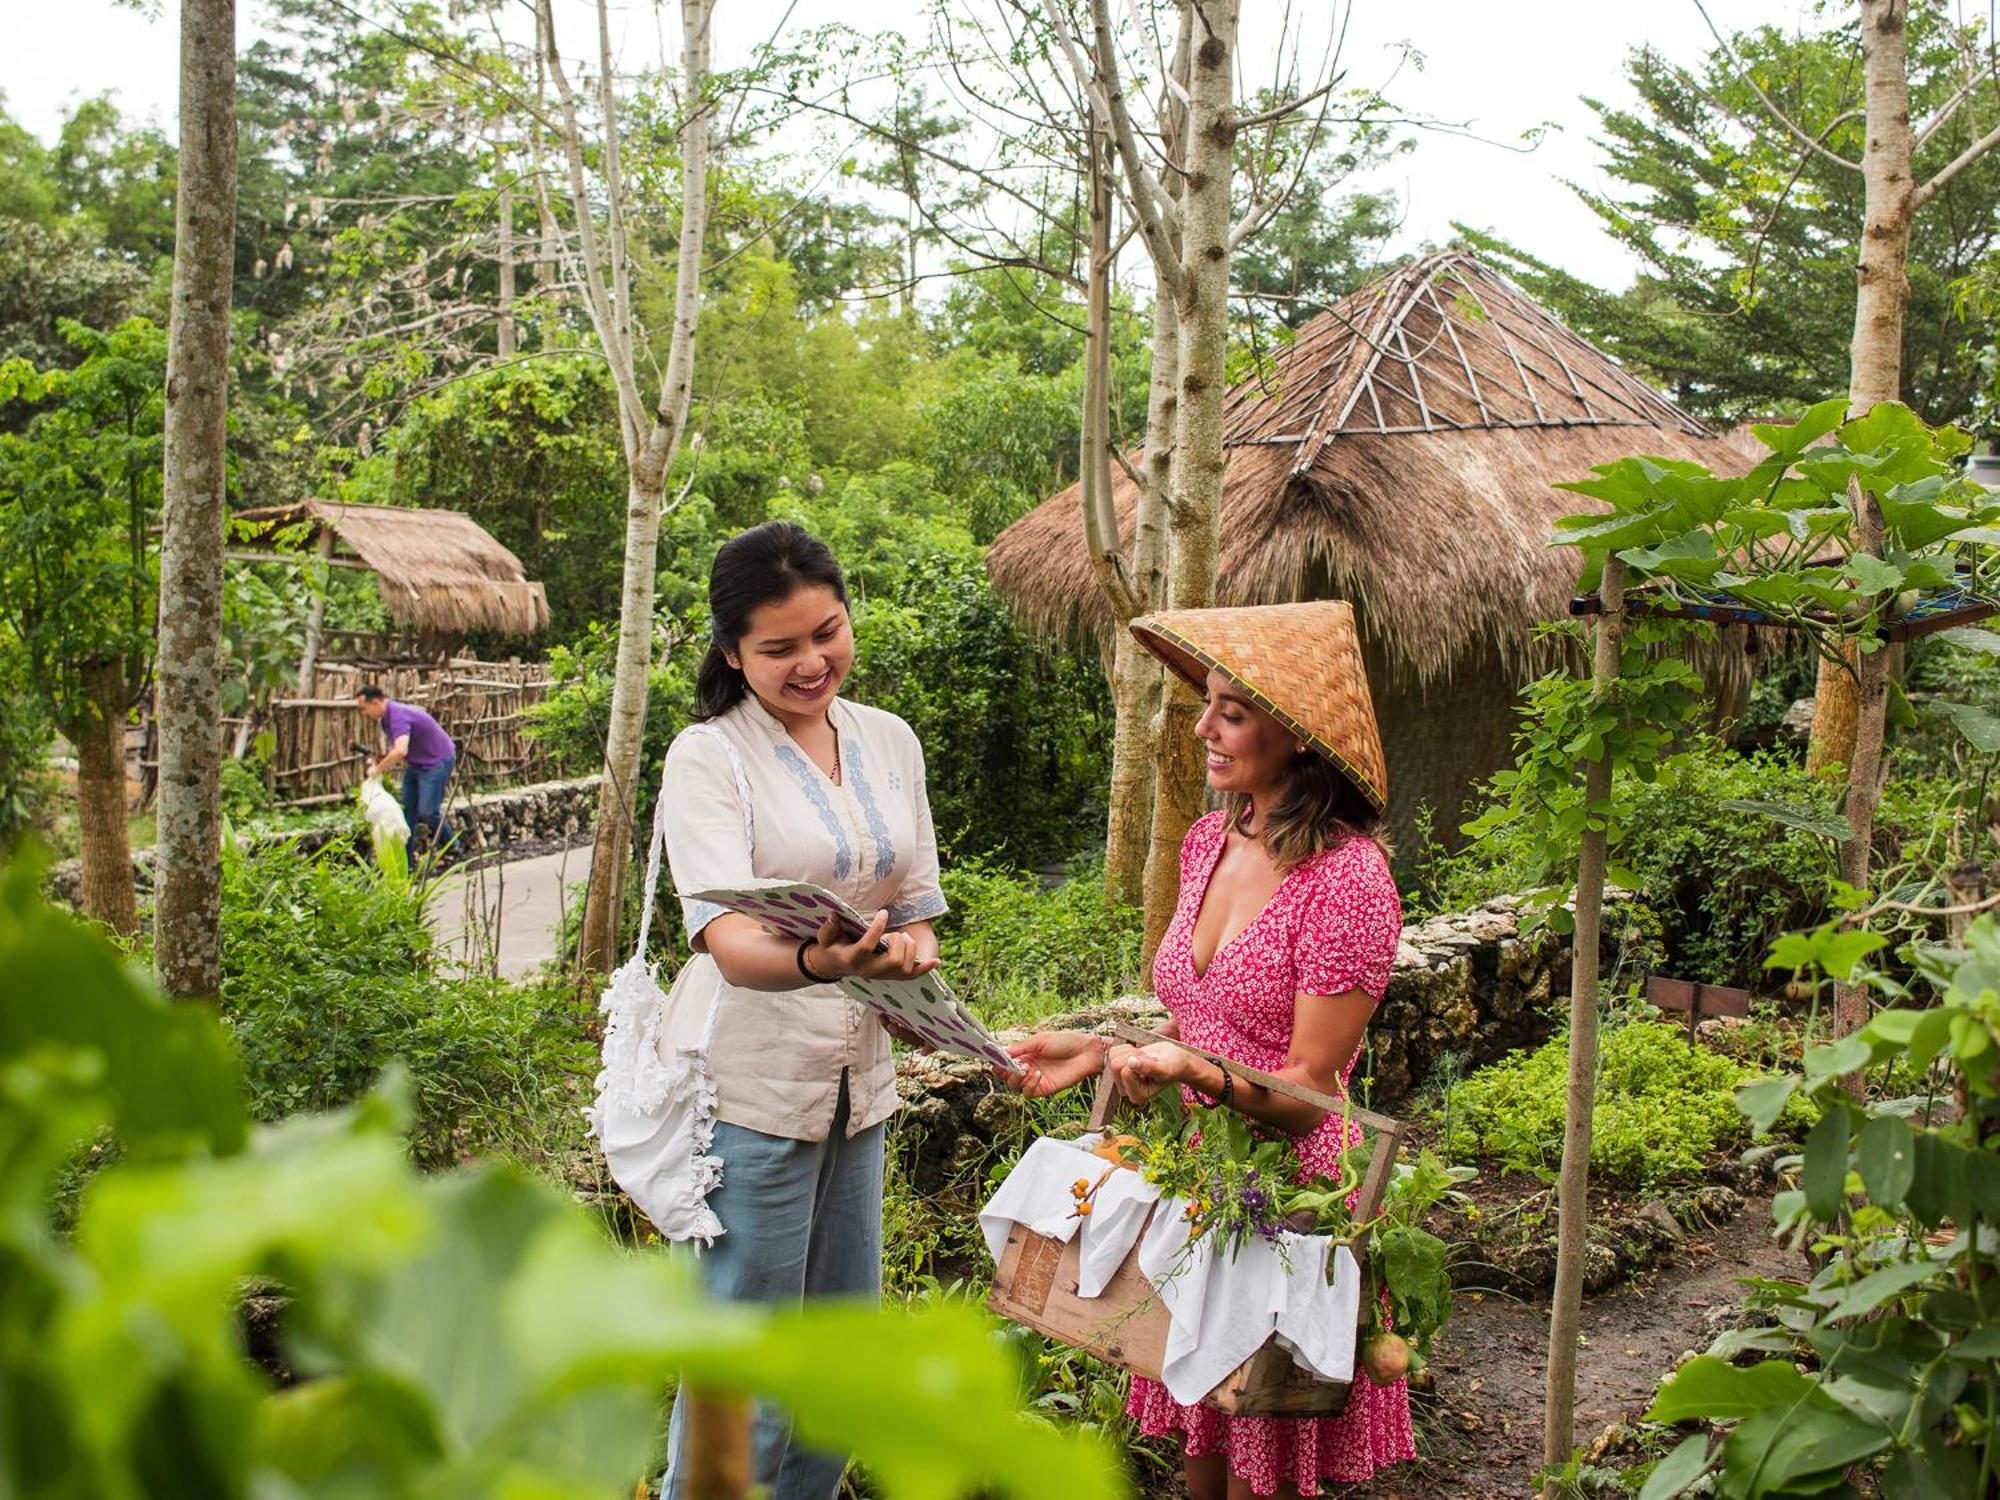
(329, 975)
(1889, 1357)
(1002, 439)
(1749, 241)
(1664, 1108)
(531, 452)
(1724, 882)
(79, 489)
(1018, 949)
(460, 1334)
(1568, 720)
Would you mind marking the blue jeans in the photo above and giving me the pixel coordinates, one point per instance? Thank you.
(423, 805)
(800, 1219)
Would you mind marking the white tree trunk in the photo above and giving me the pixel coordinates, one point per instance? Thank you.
(187, 930)
(1573, 1185)
(1881, 297)
(1194, 516)
(653, 437)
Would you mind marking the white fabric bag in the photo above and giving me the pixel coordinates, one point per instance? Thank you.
(654, 1117)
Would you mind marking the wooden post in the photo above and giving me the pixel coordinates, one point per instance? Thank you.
(1573, 1186)
(718, 1447)
(316, 617)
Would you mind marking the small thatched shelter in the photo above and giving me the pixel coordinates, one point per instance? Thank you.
(440, 573)
(1399, 454)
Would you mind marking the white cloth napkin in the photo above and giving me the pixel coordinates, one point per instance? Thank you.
(1038, 1193)
(1220, 1308)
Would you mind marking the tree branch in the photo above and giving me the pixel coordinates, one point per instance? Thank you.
(1941, 179)
(1742, 76)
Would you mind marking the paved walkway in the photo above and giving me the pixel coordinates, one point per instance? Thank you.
(507, 918)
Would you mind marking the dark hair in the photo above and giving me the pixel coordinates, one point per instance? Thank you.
(765, 565)
(1318, 809)
(371, 691)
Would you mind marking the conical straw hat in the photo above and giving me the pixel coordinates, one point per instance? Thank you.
(1301, 663)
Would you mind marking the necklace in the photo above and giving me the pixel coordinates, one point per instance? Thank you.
(836, 758)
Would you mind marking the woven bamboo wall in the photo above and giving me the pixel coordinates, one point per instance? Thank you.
(323, 743)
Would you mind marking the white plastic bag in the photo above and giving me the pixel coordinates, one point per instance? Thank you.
(388, 829)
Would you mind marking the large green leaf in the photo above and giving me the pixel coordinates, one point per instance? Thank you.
(1980, 728)
(1819, 420)
(1707, 1389)
(1820, 822)
(1824, 1177)
(1886, 1154)
(168, 1075)
(1878, 1287)
(1763, 1101)
(1673, 1474)
(1782, 1450)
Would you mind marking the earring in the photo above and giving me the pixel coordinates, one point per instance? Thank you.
(1302, 747)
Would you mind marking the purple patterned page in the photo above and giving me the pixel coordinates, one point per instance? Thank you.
(926, 1006)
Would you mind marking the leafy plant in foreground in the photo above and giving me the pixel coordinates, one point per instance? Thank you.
(467, 1334)
(1889, 1357)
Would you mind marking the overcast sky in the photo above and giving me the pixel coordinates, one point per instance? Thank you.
(1504, 68)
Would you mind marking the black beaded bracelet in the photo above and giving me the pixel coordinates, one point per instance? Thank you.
(800, 959)
(1222, 1099)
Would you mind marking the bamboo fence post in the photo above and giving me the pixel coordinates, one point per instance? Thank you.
(1573, 1186)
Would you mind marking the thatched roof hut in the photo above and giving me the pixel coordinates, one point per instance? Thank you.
(1399, 454)
(440, 573)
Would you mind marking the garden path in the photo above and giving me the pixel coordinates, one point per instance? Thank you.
(506, 916)
(1480, 1428)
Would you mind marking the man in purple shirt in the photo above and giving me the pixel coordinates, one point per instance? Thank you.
(418, 743)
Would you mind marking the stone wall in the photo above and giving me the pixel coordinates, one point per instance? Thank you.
(1467, 986)
(546, 815)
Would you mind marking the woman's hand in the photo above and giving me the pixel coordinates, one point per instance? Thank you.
(1142, 1072)
(876, 954)
(904, 1035)
(1053, 1061)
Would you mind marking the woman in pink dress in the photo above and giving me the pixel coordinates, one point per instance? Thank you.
(1278, 952)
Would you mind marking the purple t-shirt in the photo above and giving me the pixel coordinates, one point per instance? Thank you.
(429, 744)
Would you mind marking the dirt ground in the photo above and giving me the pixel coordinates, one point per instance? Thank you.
(1479, 1428)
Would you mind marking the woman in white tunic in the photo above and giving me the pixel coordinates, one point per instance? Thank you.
(783, 778)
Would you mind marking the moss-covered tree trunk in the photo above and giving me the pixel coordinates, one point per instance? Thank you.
(1194, 515)
(1573, 1185)
(187, 923)
(98, 734)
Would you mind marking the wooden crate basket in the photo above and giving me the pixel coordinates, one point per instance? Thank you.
(1035, 1282)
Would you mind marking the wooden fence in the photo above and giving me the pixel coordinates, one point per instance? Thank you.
(323, 744)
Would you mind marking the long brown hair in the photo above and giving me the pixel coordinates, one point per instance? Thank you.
(1318, 808)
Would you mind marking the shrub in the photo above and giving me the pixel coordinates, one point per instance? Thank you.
(1665, 1107)
(329, 975)
(1724, 881)
(1018, 950)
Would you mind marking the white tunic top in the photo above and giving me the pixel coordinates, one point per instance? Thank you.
(777, 1058)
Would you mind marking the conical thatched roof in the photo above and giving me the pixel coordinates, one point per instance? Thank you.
(439, 571)
(1398, 454)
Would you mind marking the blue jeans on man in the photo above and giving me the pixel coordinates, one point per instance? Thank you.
(423, 806)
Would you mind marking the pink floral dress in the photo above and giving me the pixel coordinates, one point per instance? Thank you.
(1331, 927)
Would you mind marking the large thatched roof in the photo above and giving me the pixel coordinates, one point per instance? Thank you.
(439, 571)
(1398, 454)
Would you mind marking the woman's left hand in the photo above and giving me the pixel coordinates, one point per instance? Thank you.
(1144, 1071)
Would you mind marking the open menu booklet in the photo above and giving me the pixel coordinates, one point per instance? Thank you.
(926, 1006)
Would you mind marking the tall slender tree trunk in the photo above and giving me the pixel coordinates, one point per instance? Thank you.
(1881, 297)
(99, 738)
(650, 445)
(503, 332)
(1194, 516)
(187, 924)
(1573, 1185)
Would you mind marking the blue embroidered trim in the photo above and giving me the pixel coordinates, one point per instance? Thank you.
(811, 783)
(885, 851)
(920, 910)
